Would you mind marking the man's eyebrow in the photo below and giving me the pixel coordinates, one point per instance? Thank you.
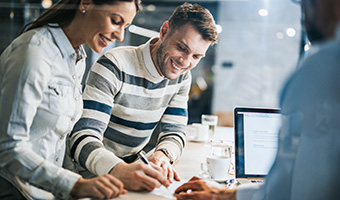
(183, 43)
(188, 48)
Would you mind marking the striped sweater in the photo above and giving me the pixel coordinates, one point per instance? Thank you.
(124, 99)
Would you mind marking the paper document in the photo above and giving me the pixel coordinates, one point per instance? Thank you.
(168, 192)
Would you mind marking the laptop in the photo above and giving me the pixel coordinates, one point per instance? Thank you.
(256, 142)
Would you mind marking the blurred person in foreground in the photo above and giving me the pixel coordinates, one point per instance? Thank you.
(307, 163)
(40, 98)
(132, 89)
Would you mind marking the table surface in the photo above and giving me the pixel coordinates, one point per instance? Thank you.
(187, 166)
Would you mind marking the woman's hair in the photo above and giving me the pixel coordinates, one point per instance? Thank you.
(63, 12)
(197, 16)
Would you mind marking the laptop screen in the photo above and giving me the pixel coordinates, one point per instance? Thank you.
(256, 140)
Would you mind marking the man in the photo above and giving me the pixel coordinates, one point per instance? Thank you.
(132, 89)
(307, 164)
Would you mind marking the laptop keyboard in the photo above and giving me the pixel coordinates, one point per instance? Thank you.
(256, 181)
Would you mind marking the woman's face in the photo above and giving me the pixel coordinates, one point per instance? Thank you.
(106, 23)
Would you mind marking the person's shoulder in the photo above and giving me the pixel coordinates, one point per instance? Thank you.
(330, 50)
(32, 44)
(327, 56)
(34, 37)
(38, 40)
(122, 55)
(319, 67)
(125, 50)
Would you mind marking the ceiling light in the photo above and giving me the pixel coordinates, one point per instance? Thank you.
(263, 12)
(279, 35)
(46, 3)
(291, 32)
(218, 28)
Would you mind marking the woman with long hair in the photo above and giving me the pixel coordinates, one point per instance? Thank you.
(40, 98)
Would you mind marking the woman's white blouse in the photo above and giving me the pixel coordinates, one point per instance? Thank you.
(40, 101)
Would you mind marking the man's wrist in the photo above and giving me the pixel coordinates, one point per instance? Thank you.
(115, 169)
(167, 154)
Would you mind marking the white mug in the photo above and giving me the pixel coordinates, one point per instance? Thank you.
(217, 167)
(198, 132)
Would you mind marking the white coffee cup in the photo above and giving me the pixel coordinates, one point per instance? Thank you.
(198, 132)
(217, 167)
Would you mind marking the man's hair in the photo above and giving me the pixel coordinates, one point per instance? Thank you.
(197, 16)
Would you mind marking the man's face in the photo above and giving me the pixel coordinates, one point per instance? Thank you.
(180, 51)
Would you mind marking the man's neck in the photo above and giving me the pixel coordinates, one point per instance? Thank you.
(153, 49)
(153, 46)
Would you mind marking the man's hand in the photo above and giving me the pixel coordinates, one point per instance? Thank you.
(102, 187)
(161, 160)
(197, 188)
(139, 176)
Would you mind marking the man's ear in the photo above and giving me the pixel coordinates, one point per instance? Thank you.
(84, 4)
(165, 29)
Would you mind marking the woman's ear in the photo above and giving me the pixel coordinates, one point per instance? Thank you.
(84, 4)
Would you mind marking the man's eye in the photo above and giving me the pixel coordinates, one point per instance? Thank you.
(181, 48)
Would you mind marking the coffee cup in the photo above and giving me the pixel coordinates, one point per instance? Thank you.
(198, 132)
(217, 167)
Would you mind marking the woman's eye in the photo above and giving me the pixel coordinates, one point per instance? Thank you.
(115, 22)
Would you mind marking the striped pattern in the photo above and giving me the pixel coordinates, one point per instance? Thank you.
(123, 104)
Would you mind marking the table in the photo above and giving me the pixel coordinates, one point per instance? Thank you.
(187, 166)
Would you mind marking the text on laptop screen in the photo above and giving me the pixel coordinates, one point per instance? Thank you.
(257, 141)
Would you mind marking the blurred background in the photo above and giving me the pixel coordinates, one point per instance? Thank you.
(259, 46)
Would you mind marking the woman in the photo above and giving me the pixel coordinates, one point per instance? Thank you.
(40, 98)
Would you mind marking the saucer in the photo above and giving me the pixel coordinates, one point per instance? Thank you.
(223, 180)
(198, 140)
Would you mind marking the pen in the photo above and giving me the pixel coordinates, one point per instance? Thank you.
(142, 156)
(231, 183)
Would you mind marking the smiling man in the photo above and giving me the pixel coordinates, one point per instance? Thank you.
(132, 89)
(307, 165)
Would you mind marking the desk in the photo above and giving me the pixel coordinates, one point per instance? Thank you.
(187, 166)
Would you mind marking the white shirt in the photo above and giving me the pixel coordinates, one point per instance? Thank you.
(40, 100)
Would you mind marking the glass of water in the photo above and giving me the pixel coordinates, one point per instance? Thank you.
(221, 148)
(210, 120)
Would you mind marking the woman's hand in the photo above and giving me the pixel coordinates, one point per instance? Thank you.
(102, 187)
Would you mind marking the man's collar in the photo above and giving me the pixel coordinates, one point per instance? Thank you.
(150, 66)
